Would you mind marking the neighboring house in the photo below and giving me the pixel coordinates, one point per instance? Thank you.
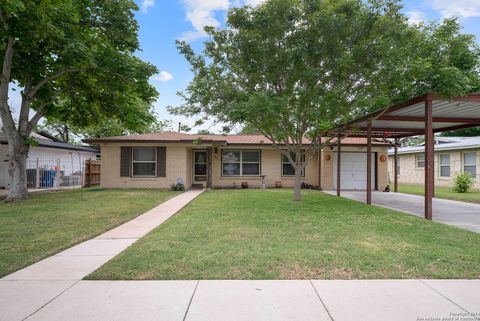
(48, 154)
(453, 155)
(158, 160)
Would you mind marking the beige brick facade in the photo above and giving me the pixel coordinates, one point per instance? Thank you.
(411, 173)
(179, 165)
(328, 166)
(177, 159)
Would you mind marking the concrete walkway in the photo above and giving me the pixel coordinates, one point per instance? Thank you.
(305, 300)
(459, 214)
(24, 292)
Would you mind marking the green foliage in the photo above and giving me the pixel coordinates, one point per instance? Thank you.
(112, 127)
(178, 187)
(75, 63)
(204, 132)
(467, 132)
(463, 182)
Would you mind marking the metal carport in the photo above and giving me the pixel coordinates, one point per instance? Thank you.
(424, 115)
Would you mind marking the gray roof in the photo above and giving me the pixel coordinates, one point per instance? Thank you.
(61, 145)
(45, 142)
(443, 144)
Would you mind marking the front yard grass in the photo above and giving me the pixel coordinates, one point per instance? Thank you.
(47, 223)
(472, 196)
(263, 234)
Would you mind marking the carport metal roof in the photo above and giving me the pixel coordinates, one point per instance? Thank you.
(408, 119)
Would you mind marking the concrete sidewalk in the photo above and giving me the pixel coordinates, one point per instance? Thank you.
(304, 300)
(460, 214)
(25, 291)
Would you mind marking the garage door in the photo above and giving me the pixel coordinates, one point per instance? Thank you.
(353, 171)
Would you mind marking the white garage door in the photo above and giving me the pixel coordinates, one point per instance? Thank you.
(353, 171)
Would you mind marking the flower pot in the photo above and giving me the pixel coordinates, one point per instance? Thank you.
(244, 184)
(278, 184)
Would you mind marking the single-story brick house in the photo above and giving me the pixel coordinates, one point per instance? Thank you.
(158, 160)
(453, 155)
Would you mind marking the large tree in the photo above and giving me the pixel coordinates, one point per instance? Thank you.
(293, 69)
(73, 61)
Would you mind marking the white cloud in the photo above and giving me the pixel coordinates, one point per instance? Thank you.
(457, 8)
(163, 76)
(147, 4)
(201, 13)
(415, 17)
(254, 3)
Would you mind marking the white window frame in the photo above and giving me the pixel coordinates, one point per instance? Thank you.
(154, 161)
(416, 161)
(283, 162)
(241, 162)
(474, 164)
(440, 165)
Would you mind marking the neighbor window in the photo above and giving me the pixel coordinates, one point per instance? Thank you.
(444, 165)
(470, 163)
(144, 162)
(240, 162)
(420, 160)
(287, 168)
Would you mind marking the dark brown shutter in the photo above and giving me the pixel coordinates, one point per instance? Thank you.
(161, 161)
(125, 161)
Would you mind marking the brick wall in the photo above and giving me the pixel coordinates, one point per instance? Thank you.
(410, 173)
(176, 158)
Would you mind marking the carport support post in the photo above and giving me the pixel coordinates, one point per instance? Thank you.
(369, 163)
(339, 150)
(429, 152)
(395, 166)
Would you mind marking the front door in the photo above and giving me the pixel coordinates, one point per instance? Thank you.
(199, 166)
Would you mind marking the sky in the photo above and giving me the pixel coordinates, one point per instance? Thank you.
(163, 21)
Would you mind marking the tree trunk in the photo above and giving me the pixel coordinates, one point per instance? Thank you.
(297, 193)
(17, 169)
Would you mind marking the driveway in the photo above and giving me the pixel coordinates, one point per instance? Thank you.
(459, 214)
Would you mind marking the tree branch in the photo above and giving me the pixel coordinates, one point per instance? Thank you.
(5, 112)
(41, 111)
(38, 115)
(31, 94)
(25, 106)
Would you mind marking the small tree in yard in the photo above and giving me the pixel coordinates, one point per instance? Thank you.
(463, 182)
(292, 69)
(73, 62)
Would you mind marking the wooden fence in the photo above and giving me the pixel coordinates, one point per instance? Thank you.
(92, 172)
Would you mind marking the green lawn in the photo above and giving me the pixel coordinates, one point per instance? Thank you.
(50, 222)
(263, 234)
(473, 196)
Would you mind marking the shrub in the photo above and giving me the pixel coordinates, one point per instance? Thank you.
(177, 187)
(463, 182)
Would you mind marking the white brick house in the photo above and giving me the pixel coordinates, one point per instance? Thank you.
(453, 155)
